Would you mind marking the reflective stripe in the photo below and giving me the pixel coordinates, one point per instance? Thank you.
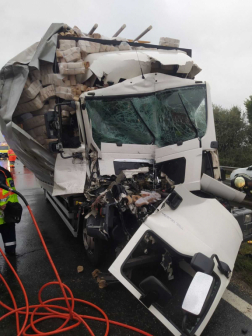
(4, 195)
(10, 244)
(4, 199)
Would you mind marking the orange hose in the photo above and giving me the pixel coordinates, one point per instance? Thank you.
(53, 311)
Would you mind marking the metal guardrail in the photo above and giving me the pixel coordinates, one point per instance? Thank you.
(227, 168)
(225, 172)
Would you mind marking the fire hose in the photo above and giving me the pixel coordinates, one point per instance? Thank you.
(50, 309)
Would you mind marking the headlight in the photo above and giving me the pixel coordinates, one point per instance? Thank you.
(247, 218)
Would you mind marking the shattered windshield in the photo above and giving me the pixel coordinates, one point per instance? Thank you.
(162, 118)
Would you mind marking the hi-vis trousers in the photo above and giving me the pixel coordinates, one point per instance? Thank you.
(8, 233)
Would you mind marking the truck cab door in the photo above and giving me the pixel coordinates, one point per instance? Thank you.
(181, 162)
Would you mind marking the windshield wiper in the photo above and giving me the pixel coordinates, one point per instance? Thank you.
(187, 113)
(153, 136)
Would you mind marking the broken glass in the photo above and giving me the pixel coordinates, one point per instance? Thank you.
(115, 121)
(159, 118)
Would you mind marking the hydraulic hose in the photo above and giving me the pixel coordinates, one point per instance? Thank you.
(50, 310)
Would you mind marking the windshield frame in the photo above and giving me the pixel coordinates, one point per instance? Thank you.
(115, 97)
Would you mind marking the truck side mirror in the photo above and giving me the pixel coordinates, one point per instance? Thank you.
(197, 293)
(72, 104)
(50, 123)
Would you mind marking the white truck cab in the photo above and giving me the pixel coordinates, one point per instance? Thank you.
(160, 117)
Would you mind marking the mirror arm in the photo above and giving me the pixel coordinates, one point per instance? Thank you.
(185, 331)
(77, 155)
(223, 267)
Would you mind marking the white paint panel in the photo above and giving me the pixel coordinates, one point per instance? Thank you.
(115, 66)
(201, 222)
(111, 152)
(69, 174)
(161, 154)
(193, 164)
(125, 64)
(127, 148)
(152, 82)
(219, 189)
(210, 132)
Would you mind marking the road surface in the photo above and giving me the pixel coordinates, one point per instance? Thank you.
(67, 252)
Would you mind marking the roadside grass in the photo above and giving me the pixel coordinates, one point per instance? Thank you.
(243, 265)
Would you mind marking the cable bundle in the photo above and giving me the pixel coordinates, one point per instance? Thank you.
(53, 311)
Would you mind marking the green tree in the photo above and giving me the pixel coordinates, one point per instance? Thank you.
(248, 105)
(234, 137)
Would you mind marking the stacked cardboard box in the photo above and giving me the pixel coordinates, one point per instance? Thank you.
(65, 81)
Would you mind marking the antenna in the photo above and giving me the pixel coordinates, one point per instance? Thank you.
(140, 65)
(142, 34)
(119, 30)
(93, 29)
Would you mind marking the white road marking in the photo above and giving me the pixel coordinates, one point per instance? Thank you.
(238, 303)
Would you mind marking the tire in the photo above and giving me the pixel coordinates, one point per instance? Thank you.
(94, 247)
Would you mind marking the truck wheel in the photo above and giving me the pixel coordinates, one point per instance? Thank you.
(94, 248)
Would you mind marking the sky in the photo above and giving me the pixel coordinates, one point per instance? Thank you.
(218, 32)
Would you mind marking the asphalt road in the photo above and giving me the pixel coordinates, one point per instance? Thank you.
(68, 253)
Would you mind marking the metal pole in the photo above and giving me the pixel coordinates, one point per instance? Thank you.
(142, 34)
(93, 29)
(119, 30)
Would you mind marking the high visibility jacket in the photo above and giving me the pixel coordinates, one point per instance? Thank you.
(6, 196)
(11, 155)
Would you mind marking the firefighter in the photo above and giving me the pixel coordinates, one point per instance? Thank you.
(7, 230)
(12, 157)
(242, 182)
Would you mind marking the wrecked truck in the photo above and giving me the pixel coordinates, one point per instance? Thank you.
(121, 137)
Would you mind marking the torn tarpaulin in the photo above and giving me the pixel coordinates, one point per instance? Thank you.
(129, 64)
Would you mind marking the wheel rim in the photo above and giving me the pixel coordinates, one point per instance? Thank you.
(88, 241)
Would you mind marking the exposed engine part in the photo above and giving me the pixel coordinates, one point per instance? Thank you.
(167, 265)
(119, 205)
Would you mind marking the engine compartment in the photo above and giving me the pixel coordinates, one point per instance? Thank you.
(120, 204)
